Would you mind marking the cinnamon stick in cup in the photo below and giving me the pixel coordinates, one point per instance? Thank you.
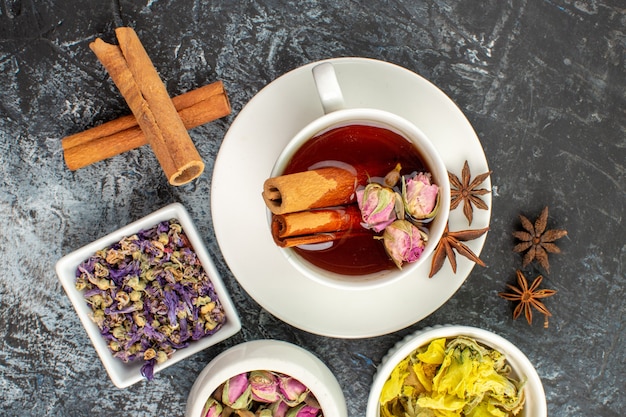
(132, 71)
(323, 187)
(315, 226)
(195, 108)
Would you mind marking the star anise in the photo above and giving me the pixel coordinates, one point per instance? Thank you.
(537, 240)
(453, 240)
(528, 297)
(467, 192)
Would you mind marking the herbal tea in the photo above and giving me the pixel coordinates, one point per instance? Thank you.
(370, 152)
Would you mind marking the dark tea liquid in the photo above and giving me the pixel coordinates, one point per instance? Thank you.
(374, 150)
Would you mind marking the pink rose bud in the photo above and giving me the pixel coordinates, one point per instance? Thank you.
(292, 390)
(237, 392)
(303, 410)
(212, 408)
(377, 205)
(279, 408)
(420, 196)
(404, 242)
(264, 386)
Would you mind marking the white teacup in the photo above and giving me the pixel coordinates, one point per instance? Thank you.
(337, 115)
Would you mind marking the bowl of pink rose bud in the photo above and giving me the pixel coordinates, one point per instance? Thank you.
(266, 378)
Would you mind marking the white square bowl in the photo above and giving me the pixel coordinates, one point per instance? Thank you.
(125, 374)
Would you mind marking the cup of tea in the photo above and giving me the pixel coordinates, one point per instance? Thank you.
(329, 199)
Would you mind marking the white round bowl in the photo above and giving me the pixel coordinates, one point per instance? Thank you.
(271, 355)
(522, 368)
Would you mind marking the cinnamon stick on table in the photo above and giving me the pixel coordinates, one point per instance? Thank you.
(195, 108)
(132, 71)
(315, 226)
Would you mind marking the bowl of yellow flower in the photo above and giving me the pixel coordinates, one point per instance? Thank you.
(456, 371)
(266, 378)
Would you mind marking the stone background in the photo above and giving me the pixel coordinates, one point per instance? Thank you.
(542, 82)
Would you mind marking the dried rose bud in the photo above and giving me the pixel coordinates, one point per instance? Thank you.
(303, 410)
(404, 242)
(264, 386)
(244, 413)
(142, 290)
(278, 408)
(420, 196)
(237, 392)
(393, 176)
(377, 205)
(212, 408)
(293, 391)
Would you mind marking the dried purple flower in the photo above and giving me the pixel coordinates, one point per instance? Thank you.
(147, 369)
(150, 293)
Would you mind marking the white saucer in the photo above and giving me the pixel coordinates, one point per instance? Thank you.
(245, 160)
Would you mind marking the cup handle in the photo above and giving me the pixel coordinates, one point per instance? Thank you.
(328, 87)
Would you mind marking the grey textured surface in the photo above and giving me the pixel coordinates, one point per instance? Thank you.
(543, 83)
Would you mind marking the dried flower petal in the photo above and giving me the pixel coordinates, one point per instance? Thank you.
(147, 369)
